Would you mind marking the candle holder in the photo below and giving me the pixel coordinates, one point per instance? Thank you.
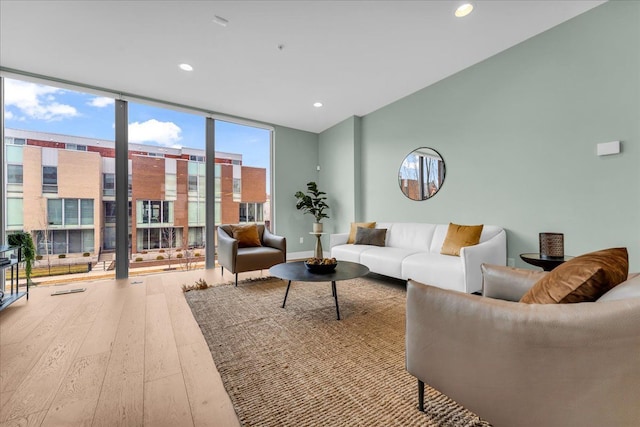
(551, 245)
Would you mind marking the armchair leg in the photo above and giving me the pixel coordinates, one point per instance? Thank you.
(221, 270)
(236, 279)
(420, 396)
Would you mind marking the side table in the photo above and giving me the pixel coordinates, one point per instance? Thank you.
(546, 263)
(317, 253)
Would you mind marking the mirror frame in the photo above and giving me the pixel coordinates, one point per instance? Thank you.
(423, 190)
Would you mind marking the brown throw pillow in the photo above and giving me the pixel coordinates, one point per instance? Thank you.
(459, 236)
(246, 235)
(354, 227)
(581, 279)
(370, 236)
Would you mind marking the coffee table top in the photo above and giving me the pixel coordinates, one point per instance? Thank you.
(296, 271)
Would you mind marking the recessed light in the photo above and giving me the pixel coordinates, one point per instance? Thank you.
(186, 67)
(317, 104)
(463, 10)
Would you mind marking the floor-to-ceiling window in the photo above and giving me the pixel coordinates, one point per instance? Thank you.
(60, 179)
(55, 140)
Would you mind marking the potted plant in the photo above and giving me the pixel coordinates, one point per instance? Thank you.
(313, 202)
(25, 242)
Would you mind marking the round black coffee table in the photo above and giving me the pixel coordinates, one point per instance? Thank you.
(296, 271)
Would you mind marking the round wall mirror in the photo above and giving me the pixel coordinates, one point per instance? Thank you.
(421, 174)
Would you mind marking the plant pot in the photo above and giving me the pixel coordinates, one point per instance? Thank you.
(317, 227)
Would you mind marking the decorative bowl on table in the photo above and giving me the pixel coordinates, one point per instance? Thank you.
(321, 265)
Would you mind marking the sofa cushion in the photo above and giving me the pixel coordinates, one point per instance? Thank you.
(354, 229)
(386, 260)
(459, 236)
(581, 279)
(445, 272)
(370, 236)
(627, 289)
(416, 236)
(246, 235)
(349, 252)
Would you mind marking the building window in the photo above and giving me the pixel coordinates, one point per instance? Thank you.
(64, 241)
(196, 237)
(159, 238)
(170, 186)
(110, 212)
(237, 186)
(76, 147)
(49, 179)
(14, 213)
(196, 158)
(251, 212)
(15, 141)
(70, 212)
(193, 183)
(236, 162)
(108, 184)
(14, 174)
(150, 212)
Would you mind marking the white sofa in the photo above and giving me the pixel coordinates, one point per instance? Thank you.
(412, 251)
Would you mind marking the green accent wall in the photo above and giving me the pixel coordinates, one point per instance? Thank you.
(295, 160)
(341, 152)
(518, 133)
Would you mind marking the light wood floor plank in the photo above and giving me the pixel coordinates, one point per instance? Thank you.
(76, 400)
(18, 361)
(31, 420)
(120, 330)
(166, 403)
(40, 385)
(210, 404)
(121, 398)
(105, 326)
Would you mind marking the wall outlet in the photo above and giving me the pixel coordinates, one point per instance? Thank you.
(511, 262)
(301, 240)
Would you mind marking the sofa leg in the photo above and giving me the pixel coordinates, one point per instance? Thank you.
(420, 396)
(236, 279)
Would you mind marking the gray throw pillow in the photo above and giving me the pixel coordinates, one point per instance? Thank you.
(370, 236)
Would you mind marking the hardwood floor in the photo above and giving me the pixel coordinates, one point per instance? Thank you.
(122, 353)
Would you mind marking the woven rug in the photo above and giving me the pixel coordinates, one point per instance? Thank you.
(299, 366)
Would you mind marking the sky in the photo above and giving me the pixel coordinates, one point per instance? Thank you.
(30, 106)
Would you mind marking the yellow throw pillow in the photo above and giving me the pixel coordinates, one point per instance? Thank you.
(581, 279)
(459, 236)
(354, 229)
(246, 235)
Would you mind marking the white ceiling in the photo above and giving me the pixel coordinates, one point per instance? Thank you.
(354, 56)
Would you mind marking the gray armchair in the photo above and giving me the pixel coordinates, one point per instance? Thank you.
(238, 260)
(517, 364)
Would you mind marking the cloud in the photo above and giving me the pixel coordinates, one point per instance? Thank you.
(162, 133)
(8, 115)
(36, 101)
(101, 101)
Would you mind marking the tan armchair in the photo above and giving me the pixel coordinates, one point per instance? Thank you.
(238, 260)
(519, 365)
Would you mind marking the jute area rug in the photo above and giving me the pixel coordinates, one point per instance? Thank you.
(299, 366)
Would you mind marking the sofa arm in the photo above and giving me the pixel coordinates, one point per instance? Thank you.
(338, 239)
(546, 364)
(508, 283)
(227, 250)
(493, 251)
(276, 242)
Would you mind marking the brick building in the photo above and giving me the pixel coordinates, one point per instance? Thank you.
(61, 188)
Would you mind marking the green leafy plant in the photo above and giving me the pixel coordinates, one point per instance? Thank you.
(24, 240)
(159, 257)
(313, 202)
(62, 256)
(86, 254)
(138, 259)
